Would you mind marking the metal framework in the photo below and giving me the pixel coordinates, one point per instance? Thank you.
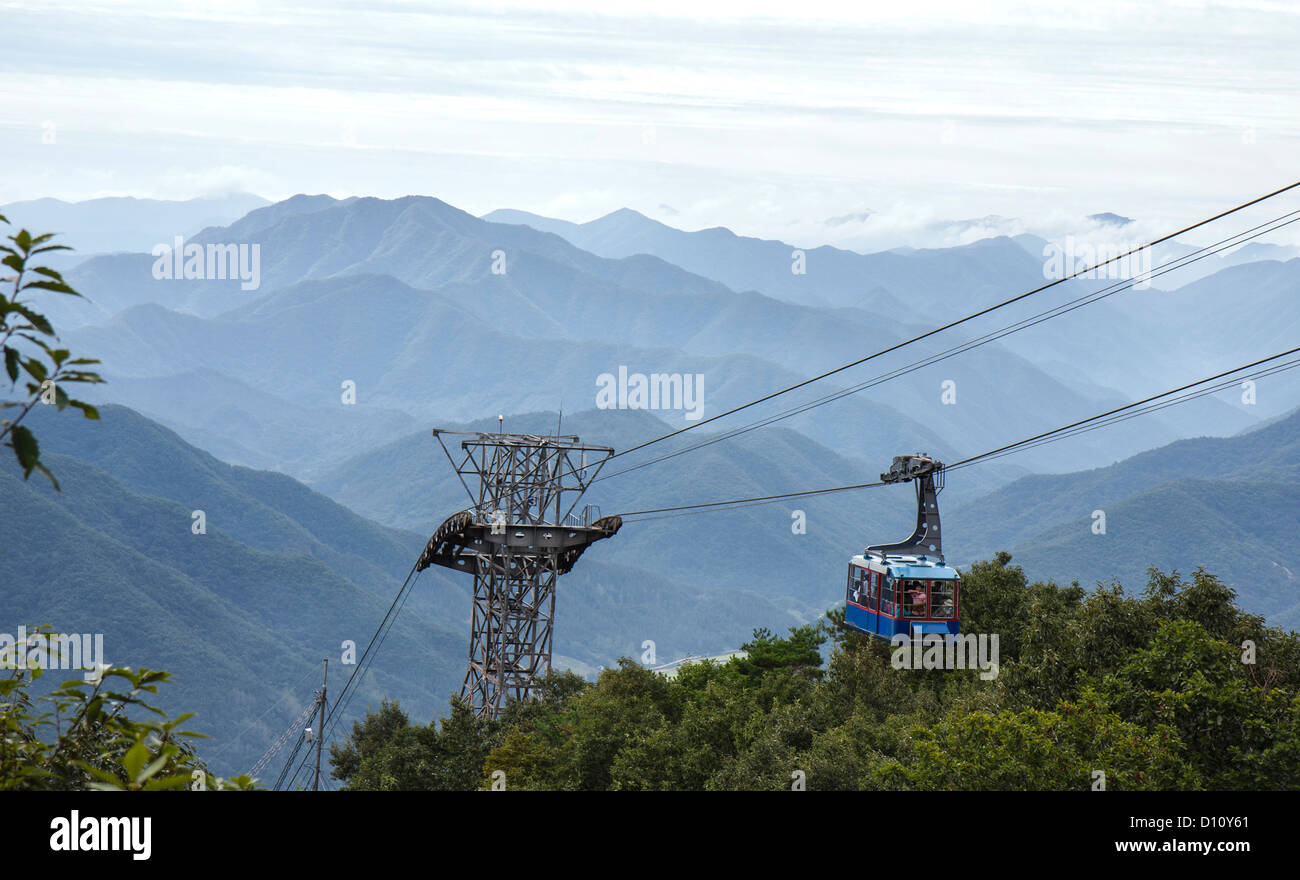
(925, 539)
(520, 534)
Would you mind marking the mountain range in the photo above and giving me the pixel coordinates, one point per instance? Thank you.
(118, 223)
(436, 332)
(297, 417)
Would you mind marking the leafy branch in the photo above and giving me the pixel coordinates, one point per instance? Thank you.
(28, 343)
(90, 740)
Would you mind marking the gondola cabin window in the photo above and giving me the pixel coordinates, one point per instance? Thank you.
(915, 597)
(855, 591)
(888, 596)
(943, 599)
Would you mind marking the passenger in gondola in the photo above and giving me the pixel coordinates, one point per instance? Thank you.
(918, 600)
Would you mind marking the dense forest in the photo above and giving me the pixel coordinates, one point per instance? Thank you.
(1173, 688)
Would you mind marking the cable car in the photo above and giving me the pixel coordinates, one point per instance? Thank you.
(905, 588)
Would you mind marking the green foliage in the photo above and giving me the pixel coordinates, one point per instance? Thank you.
(1041, 750)
(86, 735)
(385, 752)
(799, 653)
(28, 340)
(1147, 692)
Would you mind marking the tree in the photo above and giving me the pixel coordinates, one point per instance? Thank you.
(28, 343)
(799, 652)
(385, 752)
(1195, 684)
(364, 759)
(1037, 750)
(993, 599)
(90, 739)
(627, 703)
(717, 724)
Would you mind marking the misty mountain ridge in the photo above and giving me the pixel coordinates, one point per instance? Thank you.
(629, 299)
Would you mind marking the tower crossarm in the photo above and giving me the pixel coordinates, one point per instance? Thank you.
(461, 539)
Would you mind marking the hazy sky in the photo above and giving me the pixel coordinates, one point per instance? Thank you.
(765, 117)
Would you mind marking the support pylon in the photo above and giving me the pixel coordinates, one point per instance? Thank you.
(520, 535)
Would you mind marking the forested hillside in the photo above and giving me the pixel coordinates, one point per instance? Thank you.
(1152, 690)
(242, 613)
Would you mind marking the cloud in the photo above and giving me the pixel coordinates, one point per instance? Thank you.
(764, 117)
(221, 180)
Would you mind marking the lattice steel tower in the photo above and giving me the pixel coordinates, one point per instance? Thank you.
(519, 536)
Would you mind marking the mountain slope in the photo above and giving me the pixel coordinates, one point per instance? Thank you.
(1019, 510)
(242, 615)
(1225, 503)
(1180, 525)
(237, 627)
